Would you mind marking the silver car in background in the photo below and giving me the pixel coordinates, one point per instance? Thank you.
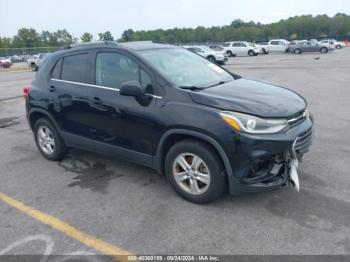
(309, 46)
(332, 42)
(219, 57)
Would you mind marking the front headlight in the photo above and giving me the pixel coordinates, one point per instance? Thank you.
(252, 124)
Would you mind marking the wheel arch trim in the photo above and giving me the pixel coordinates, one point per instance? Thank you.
(195, 134)
(44, 112)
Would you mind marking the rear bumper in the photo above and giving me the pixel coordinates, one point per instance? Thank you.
(262, 162)
(221, 59)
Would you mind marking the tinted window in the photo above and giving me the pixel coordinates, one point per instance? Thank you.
(274, 42)
(184, 68)
(146, 82)
(236, 44)
(56, 71)
(193, 49)
(112, 70)
(75, 68)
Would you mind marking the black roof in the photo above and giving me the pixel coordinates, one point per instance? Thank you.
(133, 46)
(136, 46)
(144, 45)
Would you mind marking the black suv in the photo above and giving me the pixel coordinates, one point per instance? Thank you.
(172, 110)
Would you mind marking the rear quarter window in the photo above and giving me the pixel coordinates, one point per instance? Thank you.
(56, 71)
(75, 68)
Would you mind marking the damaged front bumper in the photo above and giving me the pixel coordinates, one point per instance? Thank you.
(267, 162)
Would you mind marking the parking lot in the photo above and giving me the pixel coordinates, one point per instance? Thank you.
(133, 209)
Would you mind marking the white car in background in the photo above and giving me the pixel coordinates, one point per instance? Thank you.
(332, 42)
(241, 48)
(35, 62)
(278, 45)
(218, 57)
(265, 48)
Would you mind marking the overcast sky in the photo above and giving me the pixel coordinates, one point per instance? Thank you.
(79, 16)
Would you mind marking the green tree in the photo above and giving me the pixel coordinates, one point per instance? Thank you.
(5, 42)
(106, 36)
(45, 37)
(60, 38)
(128, 35)
(26, 37)
(86, 37)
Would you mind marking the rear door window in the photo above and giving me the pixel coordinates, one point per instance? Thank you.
(75, 68)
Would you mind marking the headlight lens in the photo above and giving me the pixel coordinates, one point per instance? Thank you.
(252, 124)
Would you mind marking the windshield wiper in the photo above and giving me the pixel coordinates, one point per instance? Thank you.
(191, 87)
(219, 83)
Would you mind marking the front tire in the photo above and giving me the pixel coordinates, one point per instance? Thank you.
(251, 53)
(229, 53)
(195, 171)
(48, 140)
(297, 51)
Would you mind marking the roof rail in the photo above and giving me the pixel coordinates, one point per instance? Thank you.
(97, 43)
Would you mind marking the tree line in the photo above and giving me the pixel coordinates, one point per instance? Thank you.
(30, 38)
(297, 27)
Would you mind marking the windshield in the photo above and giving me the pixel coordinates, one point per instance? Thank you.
(186, 69)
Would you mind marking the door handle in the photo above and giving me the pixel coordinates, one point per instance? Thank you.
(52, 89)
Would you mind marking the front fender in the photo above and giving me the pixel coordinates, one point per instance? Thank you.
(160, 149)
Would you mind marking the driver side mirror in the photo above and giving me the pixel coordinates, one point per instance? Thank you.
(132, 88)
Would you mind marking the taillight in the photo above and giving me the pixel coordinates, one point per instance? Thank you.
(26, 90)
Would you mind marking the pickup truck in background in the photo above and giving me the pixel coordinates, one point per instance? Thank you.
(278, 45)
(35, 61)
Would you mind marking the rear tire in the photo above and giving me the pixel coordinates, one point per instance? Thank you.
(210, 170)
(48, 140)
(324, 50)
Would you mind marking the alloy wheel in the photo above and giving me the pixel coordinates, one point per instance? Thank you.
(191, 173)
(46, 140)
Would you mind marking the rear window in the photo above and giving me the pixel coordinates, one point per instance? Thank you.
(75, 68)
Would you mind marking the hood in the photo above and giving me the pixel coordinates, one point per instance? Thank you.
(251, 97)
